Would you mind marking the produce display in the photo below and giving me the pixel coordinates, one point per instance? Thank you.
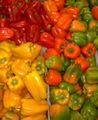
(48, 44)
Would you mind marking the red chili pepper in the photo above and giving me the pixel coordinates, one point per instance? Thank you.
(84, 64)
(72, 51)
(53, 77)
(46, 39)
(6, 33)
(64, 21)
(51, 52)
(58, 32)
(88, 50)
(60, 44)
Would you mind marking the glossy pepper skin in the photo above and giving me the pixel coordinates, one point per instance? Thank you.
(79, 38)
(91, 75)
(72, 74)
(89, 111)
(72, 51)
(54, 62)
(76, 101)
(60, 96)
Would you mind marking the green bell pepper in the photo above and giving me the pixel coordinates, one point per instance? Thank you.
(60, 96)
(94, 98)
(79, 4)
(79, 38)
(91, 35)
(89, 89)
(86, 15)
(73, 74)
(91, 75)
(92, 61)
(76, 101)
(54, 62)
(89, 111)
(96, 42)
(75, 115)
(69, 2)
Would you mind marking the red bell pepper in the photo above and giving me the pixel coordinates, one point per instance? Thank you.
(59, 4)
(72, 51)
(88, 50)
(46, 39)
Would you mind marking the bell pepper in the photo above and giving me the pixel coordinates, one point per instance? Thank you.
(93, 24)
(88, 50)
(72, 74)
(33, 107)
(75, 115)
(64, 21)
(59, 44)
(15, 84)
(54, 62)
(78, 25)
(11, 100)
(59, 112)
(76, 101)
(79, 38)
(91, 75)
(53, 77)
(86, 14)
(58, 32)
(20, 70)
(84, 64)
(92, 61)
(39, 65)
(50, 52)
(70, 2)
(94, 10)
(59, 4)
(89, 89)
(35, 85)
(72, 51)
(46, 39)
(10, 116)
(4, 57)
(96, 42)
(29, 49)
(80, 4)
(91, 35)
(89, 111)
(60, 96)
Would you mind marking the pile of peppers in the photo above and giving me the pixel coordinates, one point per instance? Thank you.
(68, 30)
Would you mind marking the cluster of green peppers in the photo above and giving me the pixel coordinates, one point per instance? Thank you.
(76, 97)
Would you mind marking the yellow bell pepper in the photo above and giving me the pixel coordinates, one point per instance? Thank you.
(36, 117)
(26, 50)
(20, 67)
(35, 85)
(11, 100)
(15, 84)
(39, 65)
(4, 58)
(33, 107)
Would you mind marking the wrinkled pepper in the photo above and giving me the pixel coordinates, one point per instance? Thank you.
(72, 74)
(39, 65)
(89, 111)
(60, 96)
(76, 101)
(79, 38)
(35, 85)
(91, 75)
(54, 62)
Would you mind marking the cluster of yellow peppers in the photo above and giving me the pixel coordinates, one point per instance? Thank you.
(23, 91)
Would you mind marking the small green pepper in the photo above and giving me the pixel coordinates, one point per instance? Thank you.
(89, 111)
(75, 115)
(54, 62)
(79, 38)
(72, 74)
(60, 96)
(91, 35)
(92, 61)
(76, 101)
(91, 75)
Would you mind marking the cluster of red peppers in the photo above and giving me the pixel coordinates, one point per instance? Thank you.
(68, 29)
